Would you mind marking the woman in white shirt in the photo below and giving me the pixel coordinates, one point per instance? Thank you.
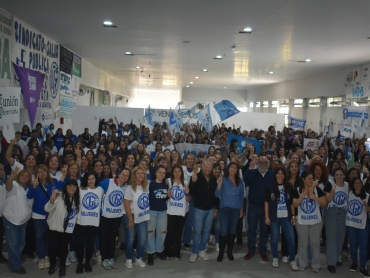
(87, 221)
(63, 208)
(137, 214)
(17, 211)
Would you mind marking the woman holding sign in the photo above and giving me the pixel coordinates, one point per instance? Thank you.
(308, 200)
(357, 222)
(334, 218)
(231, 191)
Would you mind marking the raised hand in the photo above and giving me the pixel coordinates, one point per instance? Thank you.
(53, 196)
(219, 182)
(14, 173)
(78, 152)
(35, 182)
(194, 176)
(13, 141)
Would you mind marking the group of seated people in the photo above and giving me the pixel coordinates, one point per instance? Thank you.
(70, 197)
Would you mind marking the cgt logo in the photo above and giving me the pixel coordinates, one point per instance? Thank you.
(143, 201)
(355, 207)
(308, 206)
(116, 198)
(90, 201)
(339, 198)
(177, 193)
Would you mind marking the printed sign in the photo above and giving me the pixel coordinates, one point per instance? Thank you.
(311, 144)
(9, 105)
(242, 142)
(295, 123)
(76, 67)
(46, 119)
(5, 48)
(66, 107)
(184, 148)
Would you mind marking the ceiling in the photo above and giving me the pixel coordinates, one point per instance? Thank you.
(333, 34)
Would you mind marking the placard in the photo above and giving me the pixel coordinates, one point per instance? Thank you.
(9, 105)
(5, 48)
(66, 60)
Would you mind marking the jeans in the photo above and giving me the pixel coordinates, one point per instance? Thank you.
(202, 229)
(175, 226)
(335, 225)
(141, 231)
(85, 239)
(157, 229)
(189, 223)
(228, 220)
(58, 247)
(358, 240)
(15, 238)
(287, 227)
(41, 237)
(256, 215)
(108, 230)
(216, 227)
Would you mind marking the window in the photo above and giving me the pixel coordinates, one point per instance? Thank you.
(251, 104)
(314, 102)
(265, 104)
(334, 101)
(284, 110)
(298, 102)
(274, 103)
(258, 104)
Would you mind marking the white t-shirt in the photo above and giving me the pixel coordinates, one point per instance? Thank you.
(139, 203)
(356, 214)
(57, 175)
(282, 210)
(90, 204)
(177, 204)
(2, 198)
(340, 197)
(17, 208)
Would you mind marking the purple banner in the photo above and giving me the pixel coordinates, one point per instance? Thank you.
(31, 84)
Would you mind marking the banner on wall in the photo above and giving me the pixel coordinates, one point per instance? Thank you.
(31, 82)
(296, 123)
(5, 48)
(350, 112)
(357, 127)
(106, 98)
(66, 60)
(10, 99)
(76, 67)
(33, 50)
(242, 142)
(65, 84)
(66, 107)
(75, 90)
(311, 144)
(46, 119)
(184, 148)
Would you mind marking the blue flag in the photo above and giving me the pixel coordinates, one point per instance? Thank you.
(189, 112)
(173, 124)
(204, 116)
(148, 116)
(225, 109)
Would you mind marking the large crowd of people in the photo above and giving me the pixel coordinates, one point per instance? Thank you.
(67, 197)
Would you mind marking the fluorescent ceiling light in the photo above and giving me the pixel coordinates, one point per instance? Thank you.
(108, 23)
(247, 29)
(196, 77)
(271, 72)
(191, 82)
(187, 86)
(308, 60)
(128, 53)
(205, 70)
(138, 67)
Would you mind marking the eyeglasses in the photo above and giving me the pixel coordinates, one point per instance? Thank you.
(41, 171)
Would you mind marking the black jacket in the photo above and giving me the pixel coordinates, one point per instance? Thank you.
(203, 192)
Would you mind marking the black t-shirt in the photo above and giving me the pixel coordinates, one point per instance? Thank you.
(158, 196)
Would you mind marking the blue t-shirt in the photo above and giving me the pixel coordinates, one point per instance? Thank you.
(158, 196)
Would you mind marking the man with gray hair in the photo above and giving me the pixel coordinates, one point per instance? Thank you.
(258, 180)
(202, 189)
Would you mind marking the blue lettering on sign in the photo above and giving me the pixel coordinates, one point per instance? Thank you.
(282, 198)
(177, 193)
(308, 206)
(339, 198)
(354, 219)
(143, 201)
(355, 207)
(175, 204)
(116, 198)
(358, 91)
(90, 201)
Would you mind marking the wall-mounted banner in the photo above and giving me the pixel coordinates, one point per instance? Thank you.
(350, 112)
(9, 105)
(46, 119)
(65, 84)
(76, 67)
(31, 83)
(75, 85)
(32, 50)
(66, 107)
(184, 148)
(106, 98)
(296, 123)
(5, 48)
(66, 60)
(311, 144)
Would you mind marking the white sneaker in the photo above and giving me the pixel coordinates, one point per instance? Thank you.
(275, 262)
(193, 258)
(47, 262)
(217, 247)
(41, 264)
(129, 263)
(68, 262)
(204, 255)
(72, 256)
(140, 262)
(98, 257)
(285, 259)
(212, 239)
(293, 266)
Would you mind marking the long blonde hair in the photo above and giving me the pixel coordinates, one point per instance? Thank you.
(144, 184)
(46, 169)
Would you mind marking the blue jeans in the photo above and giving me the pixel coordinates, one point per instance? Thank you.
(335, 225)
(141, 231)
(289, 235)
(202, 229)
(358, 240)
(157, 229)
(256, 215)
(41, 240)
(228, 220)
(189, 223)
(15, 238)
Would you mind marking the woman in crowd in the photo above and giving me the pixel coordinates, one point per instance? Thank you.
(90, 155)
(334, 164)
(114, 166)
(26, 133)
(279, 212)
(357, 222)
(62, 209)
(111, 146)
(107, 172)
(32, 142)
(88, 220)
(143, 164)
(216, 172)
(351, 174)
(15, 215)
(71, 172)
(85, 165)
(335, 217)
(231, 191)
(58, 139)
(67, 146)
(54, 164)
(135, 220)
(176, 211)
(365, 165)
(157, 224)
(175, 158)
(140, 152)
(97, 167)
(122, 150)
(129, 161)
(308, 200)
